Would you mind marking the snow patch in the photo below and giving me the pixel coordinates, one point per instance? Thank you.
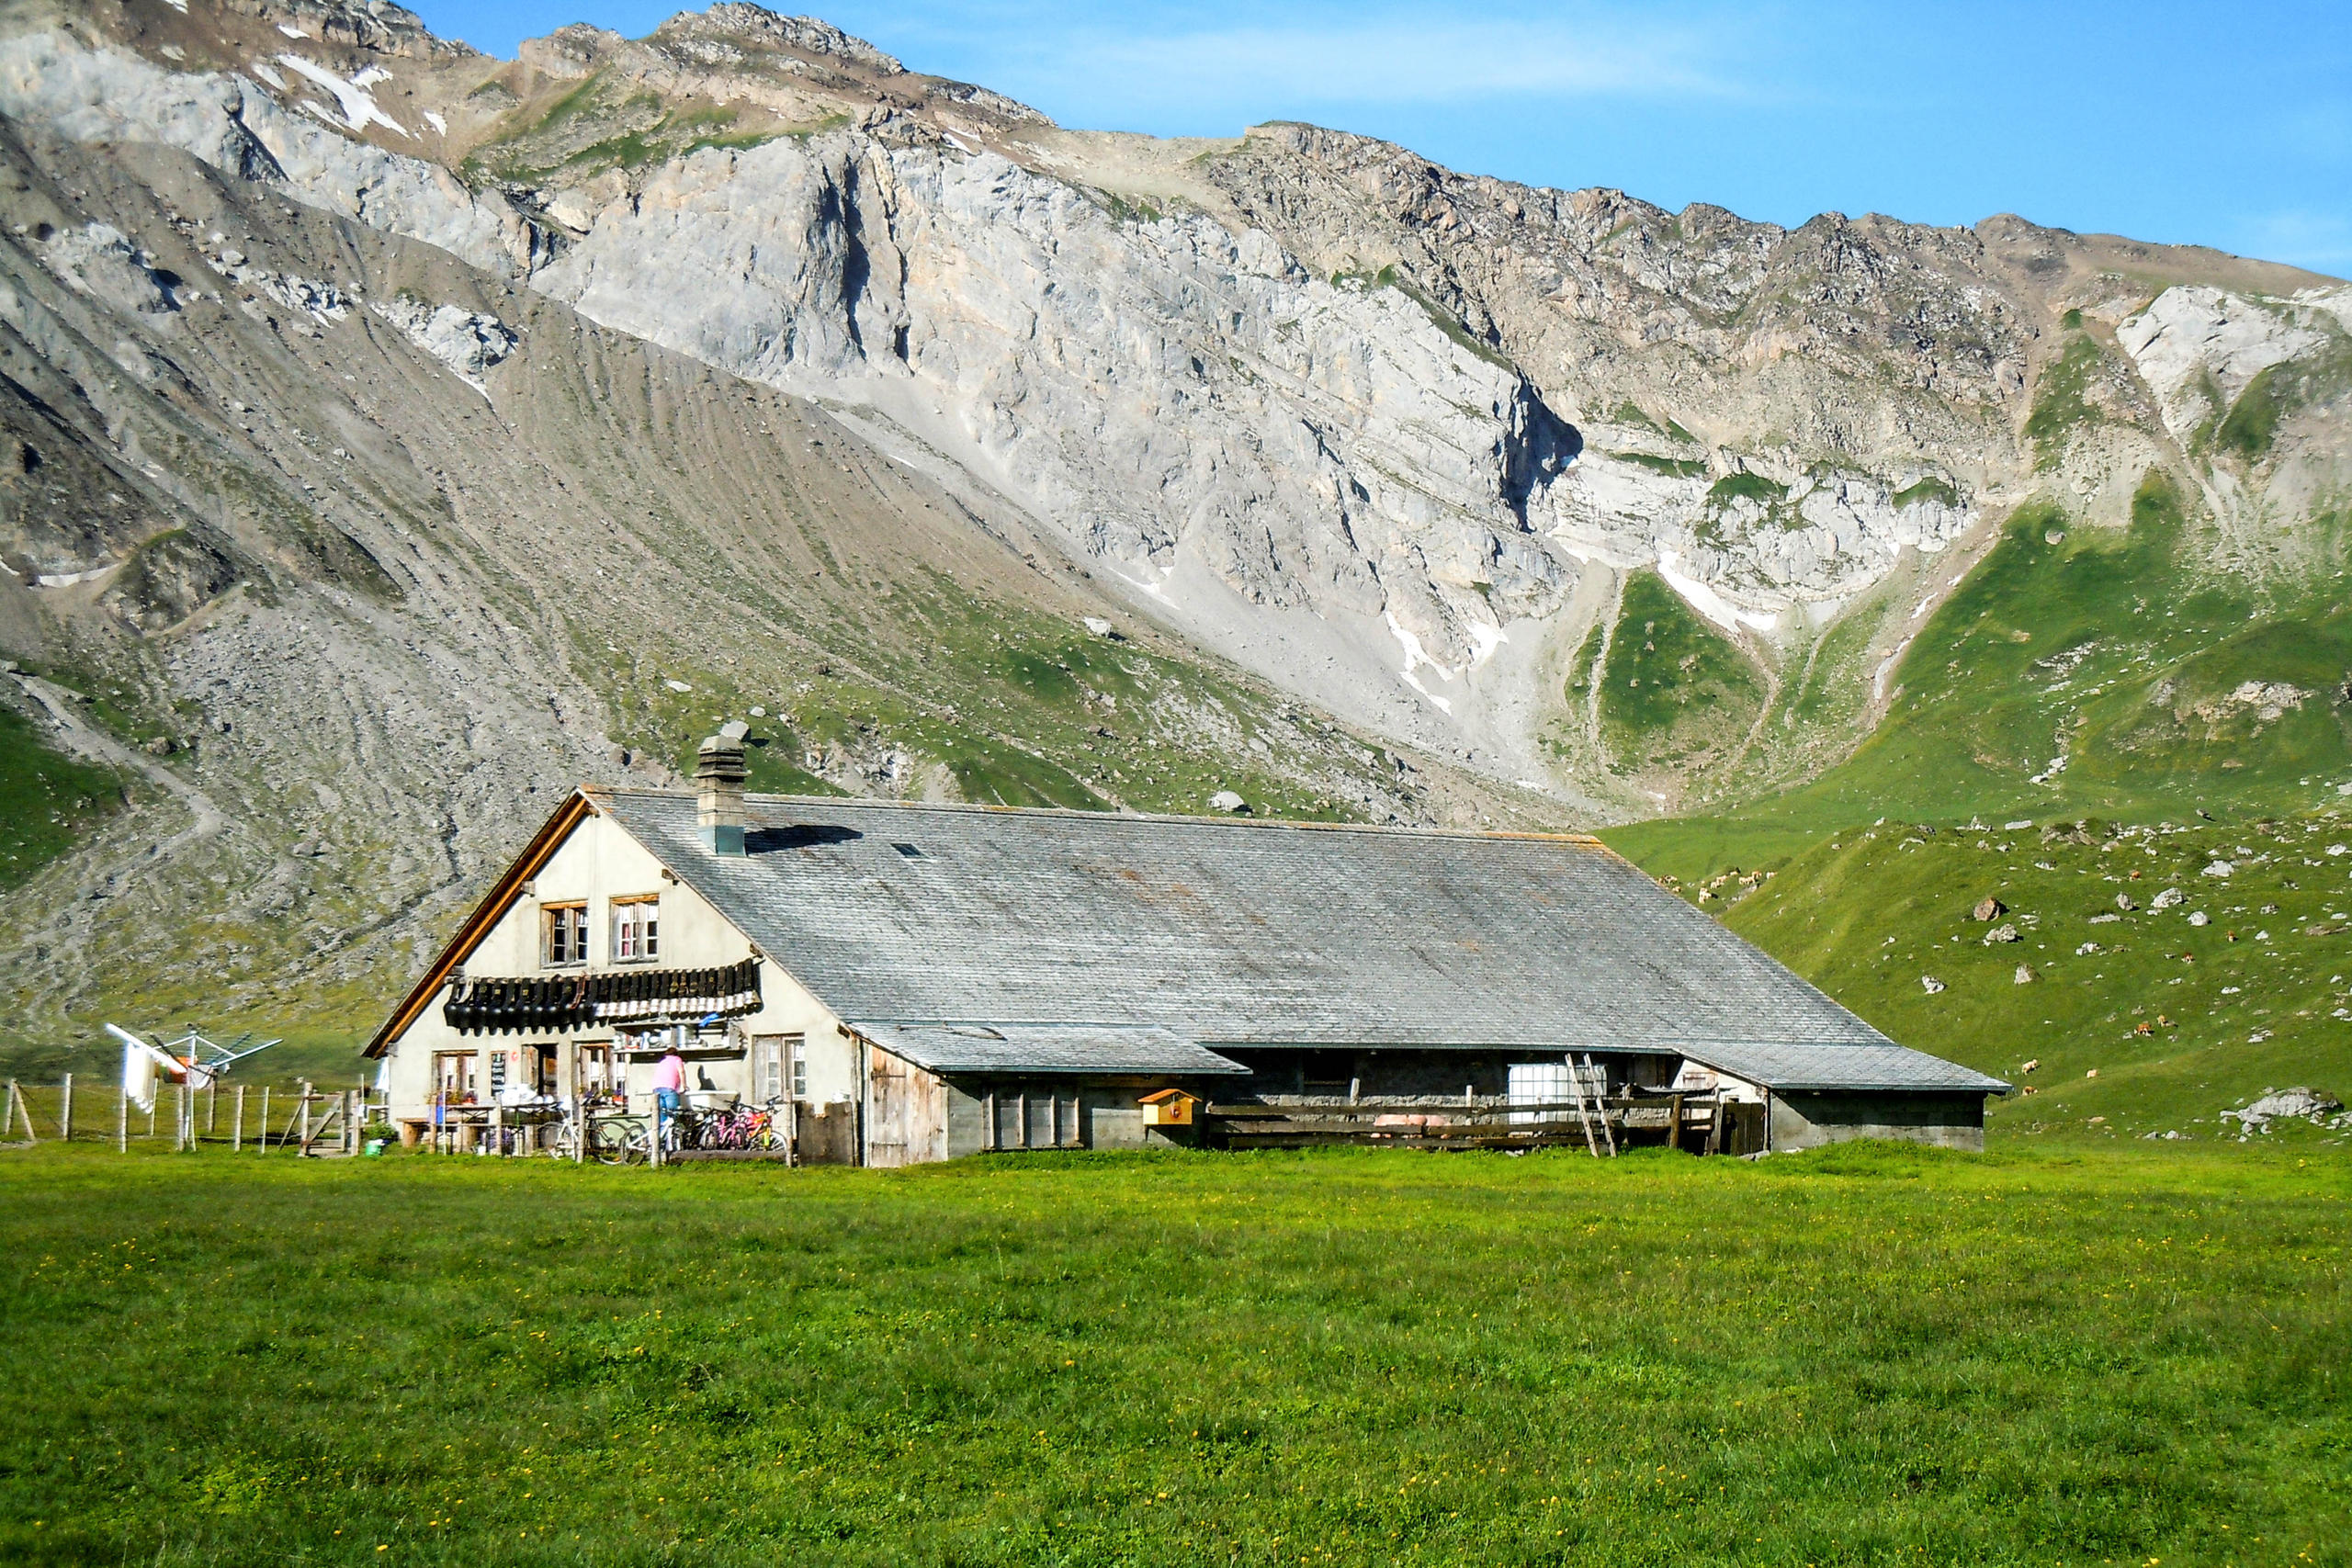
(180, 5)
(440, 127)
(68, 579)
(1487, 639)
(268, 73)
(291, 30)
(1709, 603)
(1415, 654)
(359, 110)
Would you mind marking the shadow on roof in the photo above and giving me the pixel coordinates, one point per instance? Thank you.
(799, 836)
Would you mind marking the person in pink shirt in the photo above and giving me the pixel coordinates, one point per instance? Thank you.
(669, 1079)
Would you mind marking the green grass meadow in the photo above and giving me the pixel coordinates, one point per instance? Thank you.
(2050, 1355)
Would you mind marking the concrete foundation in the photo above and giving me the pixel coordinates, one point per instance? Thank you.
(1807, 1120)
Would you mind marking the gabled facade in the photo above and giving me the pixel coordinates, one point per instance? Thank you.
(588, 908)
(926, 981)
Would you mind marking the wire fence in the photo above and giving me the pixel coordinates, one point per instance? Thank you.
(305, 1118)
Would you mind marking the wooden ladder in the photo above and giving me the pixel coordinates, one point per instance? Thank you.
(1588, 1085)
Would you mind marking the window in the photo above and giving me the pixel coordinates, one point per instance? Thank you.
(566, 939)
(637, 929)
(776, 1064)
(595, 1067)
(452, 1076)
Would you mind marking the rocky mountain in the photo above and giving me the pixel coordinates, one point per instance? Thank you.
(401, 433)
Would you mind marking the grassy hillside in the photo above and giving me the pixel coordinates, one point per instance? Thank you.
(1674, 696)
(1865, 1355)
(2113, 679)
(2179, 1020)
(48, 801)
(2082, 670)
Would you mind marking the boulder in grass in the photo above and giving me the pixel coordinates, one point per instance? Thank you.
(1226, 800)
(2286, 1104)
(2024, 975)
(1988, 908)
(1930, 985)
(2005, 932)
(2167, 899)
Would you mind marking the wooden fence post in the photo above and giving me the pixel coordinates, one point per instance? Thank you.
(8, 1110)
(304, 1111)
(237, 1123)
(122, 1122)
(19, 1106)
(65, 1111)
(182, 1118)
(261, 1140)
(211, 1107)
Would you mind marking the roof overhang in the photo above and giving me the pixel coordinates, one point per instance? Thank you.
(576, 808)
(1046, 1049)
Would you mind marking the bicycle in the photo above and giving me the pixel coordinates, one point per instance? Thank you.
(620, 1140)
(743, 1127)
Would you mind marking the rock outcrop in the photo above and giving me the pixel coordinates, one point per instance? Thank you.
(291, 287)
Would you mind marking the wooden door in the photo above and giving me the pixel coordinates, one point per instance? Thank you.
(907, 1112)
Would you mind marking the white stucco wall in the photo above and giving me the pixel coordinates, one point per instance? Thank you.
(596, 863)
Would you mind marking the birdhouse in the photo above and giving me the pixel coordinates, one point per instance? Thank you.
(1168, 1108)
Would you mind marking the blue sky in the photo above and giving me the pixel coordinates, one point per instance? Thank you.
(2225, 125)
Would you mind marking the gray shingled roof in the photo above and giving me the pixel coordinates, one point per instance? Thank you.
(1045, 1048)
(1238, 933)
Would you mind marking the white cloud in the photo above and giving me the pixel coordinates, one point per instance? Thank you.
(1392, 59)
(2320, 242)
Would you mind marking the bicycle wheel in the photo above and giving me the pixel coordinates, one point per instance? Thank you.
(618, 1141)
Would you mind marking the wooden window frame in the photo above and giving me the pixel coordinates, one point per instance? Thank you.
(645, 945)
(468, 1079)
(570, 916)
(775, 1058)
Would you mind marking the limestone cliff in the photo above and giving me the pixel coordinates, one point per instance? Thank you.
(318, 316)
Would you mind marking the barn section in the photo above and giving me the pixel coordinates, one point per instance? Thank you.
(1021, 980)
(927, 981)
(942, 1090)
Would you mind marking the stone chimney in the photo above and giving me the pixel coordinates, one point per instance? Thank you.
(718, 804)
